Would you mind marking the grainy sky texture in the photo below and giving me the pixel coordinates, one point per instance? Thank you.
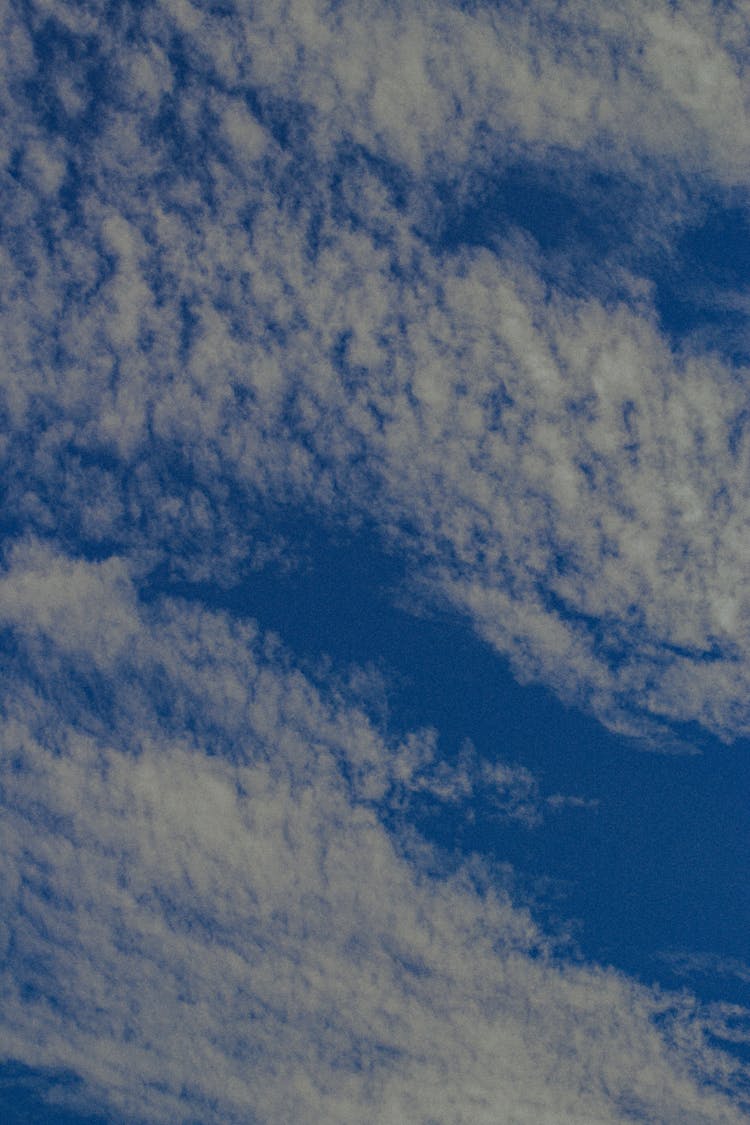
(374, 584)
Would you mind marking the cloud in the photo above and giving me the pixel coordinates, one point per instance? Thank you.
(204, 916)
(226, 302)
(91, 612)
(225, 293)
(510, 791)
(686, 963)
(634, 82)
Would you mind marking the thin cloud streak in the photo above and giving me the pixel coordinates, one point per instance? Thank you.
(204, 914)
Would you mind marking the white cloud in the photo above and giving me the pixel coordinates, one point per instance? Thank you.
(88, 608)
(204, 918)
(560, 476)
(204, 912)
(686, 963)
(433, 87)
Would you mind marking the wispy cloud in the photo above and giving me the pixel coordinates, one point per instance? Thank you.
(621, 85)
(687, 964)
(222, 294)
(204, 915)
(222, 289)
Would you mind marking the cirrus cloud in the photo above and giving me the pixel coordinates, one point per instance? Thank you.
(205, 916)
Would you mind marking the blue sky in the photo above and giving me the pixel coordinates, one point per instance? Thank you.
(375, 620)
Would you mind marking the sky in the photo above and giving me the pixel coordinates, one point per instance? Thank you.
(374, 600)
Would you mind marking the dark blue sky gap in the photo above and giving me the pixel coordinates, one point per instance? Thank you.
(23, 1101)
(657, 867)
(711, 266)
(580, 224)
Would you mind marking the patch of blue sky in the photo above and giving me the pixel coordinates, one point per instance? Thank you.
(28, 1097)
(559, 211)
(657, 865)
(703, 289)
(585, 223)
(60, 53)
